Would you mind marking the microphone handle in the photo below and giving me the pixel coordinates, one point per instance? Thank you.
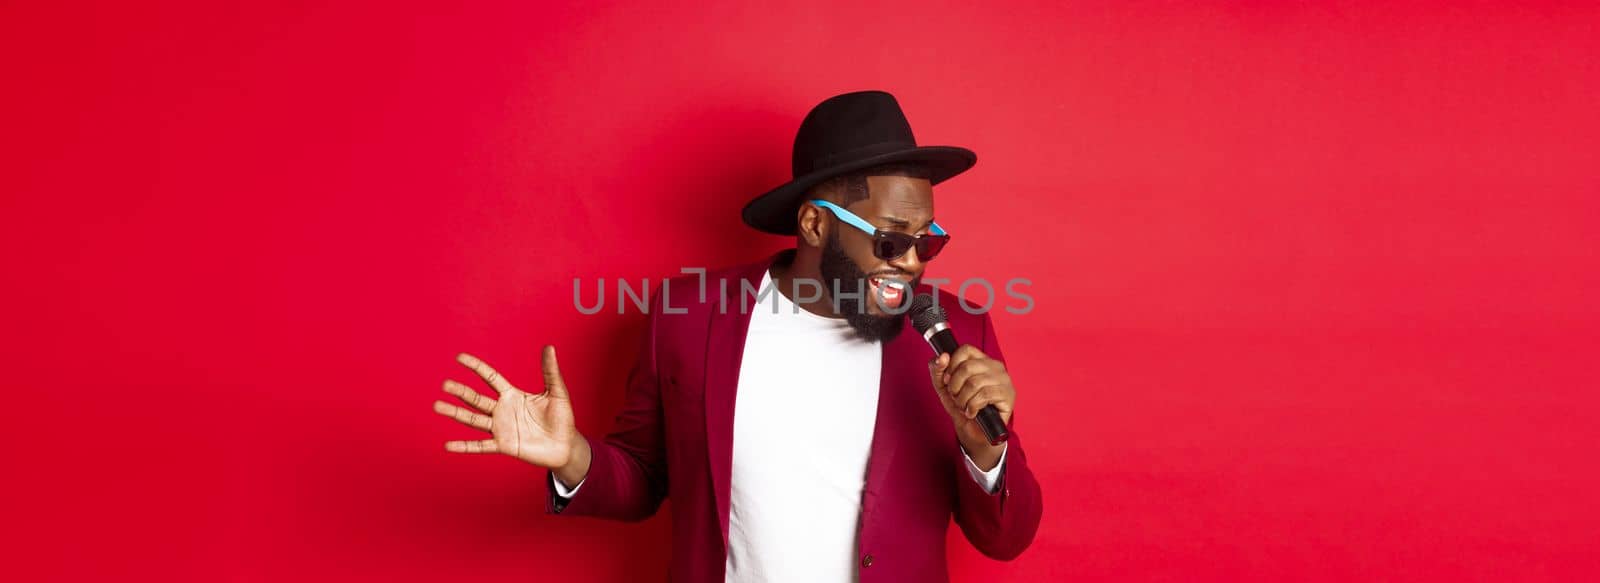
(944, 342)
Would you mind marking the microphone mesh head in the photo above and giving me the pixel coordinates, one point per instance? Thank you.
(924, 313)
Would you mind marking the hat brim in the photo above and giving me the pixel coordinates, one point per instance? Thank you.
(775, 212)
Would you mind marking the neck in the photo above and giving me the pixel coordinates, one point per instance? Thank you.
(804, 265)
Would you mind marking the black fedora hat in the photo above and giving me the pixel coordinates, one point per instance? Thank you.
(843, 134)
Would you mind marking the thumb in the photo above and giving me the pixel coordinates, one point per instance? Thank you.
(553, 385)
(936, 370)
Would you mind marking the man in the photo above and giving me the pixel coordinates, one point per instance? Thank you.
(795, 428)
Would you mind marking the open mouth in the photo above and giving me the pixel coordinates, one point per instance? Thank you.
(890, 292)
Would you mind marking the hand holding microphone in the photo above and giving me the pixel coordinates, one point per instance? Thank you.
(976, 390)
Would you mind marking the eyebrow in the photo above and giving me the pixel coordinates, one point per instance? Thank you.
(900, 223)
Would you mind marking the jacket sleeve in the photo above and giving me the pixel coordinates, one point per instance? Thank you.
(999, 525)
(627, 477)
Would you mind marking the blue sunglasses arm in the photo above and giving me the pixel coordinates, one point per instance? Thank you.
(858, 223)
(846, 216)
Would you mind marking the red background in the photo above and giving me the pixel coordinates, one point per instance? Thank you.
(1314, 283)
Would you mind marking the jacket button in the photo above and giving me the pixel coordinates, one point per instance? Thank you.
(866, 561)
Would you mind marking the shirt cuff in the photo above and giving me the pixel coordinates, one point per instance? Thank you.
(563, 492)
(988, 479)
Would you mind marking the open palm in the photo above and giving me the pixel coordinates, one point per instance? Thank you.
(536, 428)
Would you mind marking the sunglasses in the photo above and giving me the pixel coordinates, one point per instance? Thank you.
(888, 245)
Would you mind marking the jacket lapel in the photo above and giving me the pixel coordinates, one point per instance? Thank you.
(901, 366)
(730, 323)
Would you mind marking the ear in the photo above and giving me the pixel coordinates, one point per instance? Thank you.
(813, 229)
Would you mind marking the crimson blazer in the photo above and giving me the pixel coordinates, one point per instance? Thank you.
(674, 436)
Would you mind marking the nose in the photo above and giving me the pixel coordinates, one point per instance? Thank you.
(909, 263)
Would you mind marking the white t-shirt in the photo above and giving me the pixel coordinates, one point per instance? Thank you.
(803, 421)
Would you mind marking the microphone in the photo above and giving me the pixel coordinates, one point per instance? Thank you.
(929, 319)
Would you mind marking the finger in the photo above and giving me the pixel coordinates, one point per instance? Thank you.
(470, 396)
(981, 398)
(961, 379)
(489, 374)
(962, 354)
(973, 397)
(985, 396)
(553, 385)
(474, 446)
(466, 417)
(935, 370)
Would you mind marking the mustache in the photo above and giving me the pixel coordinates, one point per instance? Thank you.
(895, 273)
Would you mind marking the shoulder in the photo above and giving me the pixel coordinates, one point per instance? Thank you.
(696, 290)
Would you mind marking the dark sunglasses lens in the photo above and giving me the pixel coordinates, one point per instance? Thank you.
(888, 245)
(929, 246)
(891, 245)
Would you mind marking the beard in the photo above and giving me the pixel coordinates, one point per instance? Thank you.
(839, 272)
